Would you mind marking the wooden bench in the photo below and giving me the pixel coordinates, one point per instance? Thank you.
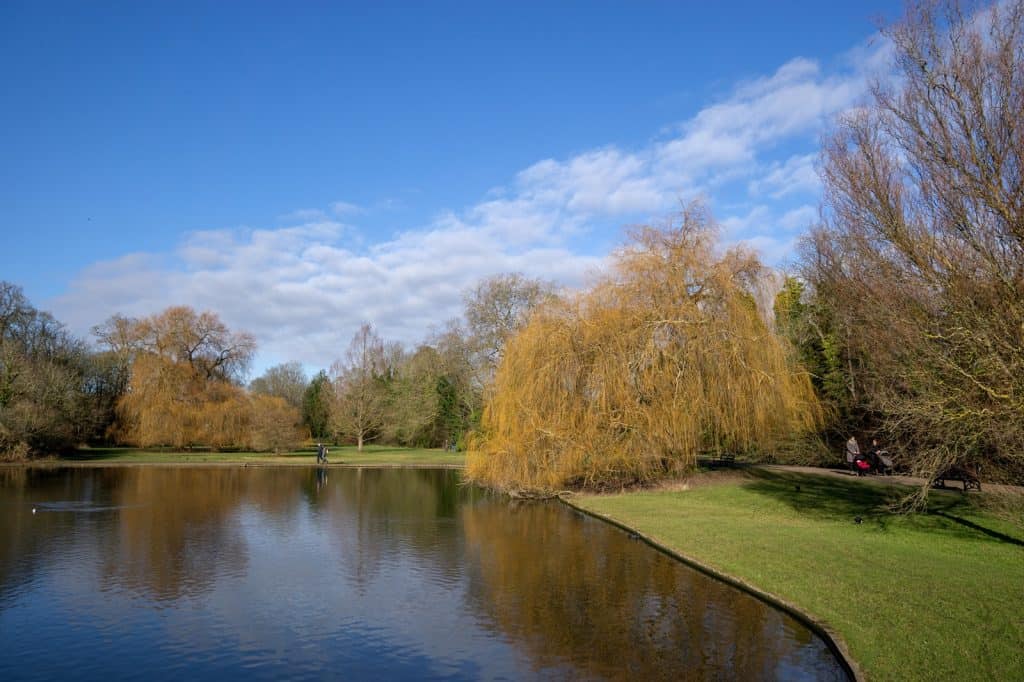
(885, 463)
(966, 475)
(724, 459)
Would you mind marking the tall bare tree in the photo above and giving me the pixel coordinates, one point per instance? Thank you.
(360, 392)
(920, 262)
(498, 307)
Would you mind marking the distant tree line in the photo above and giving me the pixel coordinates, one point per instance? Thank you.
(176, 379)
(432, 395)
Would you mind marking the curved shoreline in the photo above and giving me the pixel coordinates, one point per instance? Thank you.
(833, 640)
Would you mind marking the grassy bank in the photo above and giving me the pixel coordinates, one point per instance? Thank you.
(372, 455)
(938, 595)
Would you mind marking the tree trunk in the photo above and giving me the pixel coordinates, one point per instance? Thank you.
(359, 442)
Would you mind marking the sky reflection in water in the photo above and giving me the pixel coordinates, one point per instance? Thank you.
(143, 572)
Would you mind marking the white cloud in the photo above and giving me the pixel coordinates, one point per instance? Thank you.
(742, 227)
(773, 249)
(795, 174)
(797, 100)
(303, 290)
(343, 208)
(798, 219)
(303, 215)
(604, 181)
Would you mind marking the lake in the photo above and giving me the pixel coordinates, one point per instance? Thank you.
(216, 573)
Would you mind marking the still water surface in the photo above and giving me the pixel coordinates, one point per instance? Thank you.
(274, 573)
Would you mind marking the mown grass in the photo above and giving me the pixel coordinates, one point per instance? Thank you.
(372, 455)
(928, 596)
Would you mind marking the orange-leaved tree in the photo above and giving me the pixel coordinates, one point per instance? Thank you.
(184, 388)
(666, 357)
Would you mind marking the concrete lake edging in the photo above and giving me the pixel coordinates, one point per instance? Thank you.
(833, 640)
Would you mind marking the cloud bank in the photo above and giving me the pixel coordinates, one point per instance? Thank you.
(303, 290)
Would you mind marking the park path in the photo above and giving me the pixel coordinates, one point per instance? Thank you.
(910, 481)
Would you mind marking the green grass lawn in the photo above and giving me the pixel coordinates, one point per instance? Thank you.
(372, 455)
(930, 596)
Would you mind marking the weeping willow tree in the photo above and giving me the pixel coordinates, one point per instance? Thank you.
(665, 358)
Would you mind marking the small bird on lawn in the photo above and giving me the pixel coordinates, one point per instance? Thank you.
(857, 519)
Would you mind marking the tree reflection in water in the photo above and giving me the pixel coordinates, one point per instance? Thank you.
(394, 573)
(579, 594)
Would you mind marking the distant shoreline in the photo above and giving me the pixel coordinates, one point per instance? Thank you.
(342, 456)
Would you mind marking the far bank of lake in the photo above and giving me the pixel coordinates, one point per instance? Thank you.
(371, 455)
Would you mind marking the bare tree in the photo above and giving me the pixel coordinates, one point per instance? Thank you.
(118, 334)
(360, 394)
(287, 381)
(920, 261)
(498, 307)
(43, 377)
(181, 335)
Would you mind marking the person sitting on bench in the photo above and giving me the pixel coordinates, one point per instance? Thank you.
(880, 459)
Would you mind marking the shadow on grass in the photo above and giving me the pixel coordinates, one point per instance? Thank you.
(95, 454)
(1003, 537)
(838, 499)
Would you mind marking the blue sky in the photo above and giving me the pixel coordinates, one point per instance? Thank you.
(303, 167)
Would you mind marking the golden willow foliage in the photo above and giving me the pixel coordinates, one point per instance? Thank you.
(183, 391)
(665, 358)
(168, 405)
